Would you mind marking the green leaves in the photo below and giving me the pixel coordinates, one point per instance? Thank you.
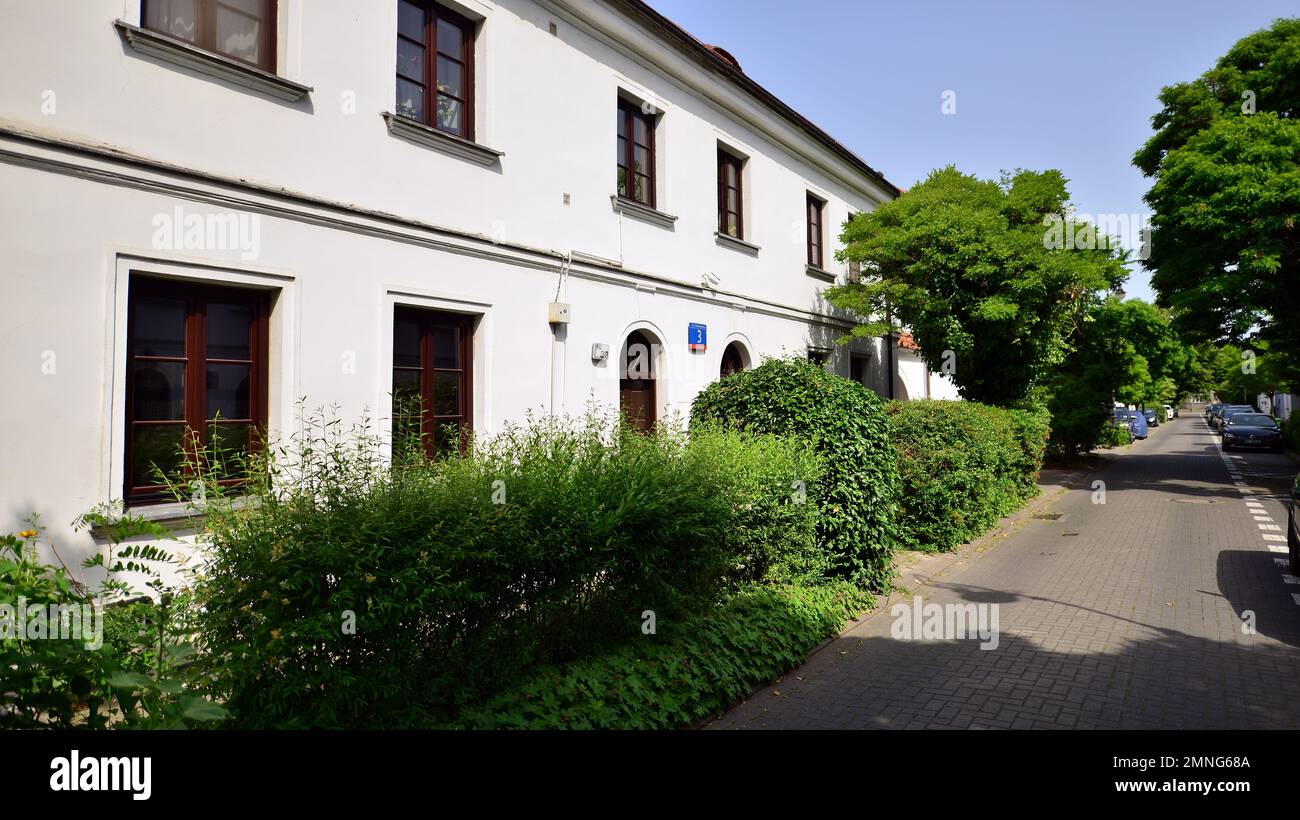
(968, 266)
(1225, 160)
(841, 421)
(693, 670)
(461, 577)
(963, 465)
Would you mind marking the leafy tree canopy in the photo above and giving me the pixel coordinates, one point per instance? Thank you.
(966, 264)
(1225, 242)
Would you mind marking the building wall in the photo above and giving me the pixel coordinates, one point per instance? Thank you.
(100, 147)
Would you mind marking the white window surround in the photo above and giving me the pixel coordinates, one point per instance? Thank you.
(651, 103)
(401, 295)
(475, 148)
(284, 84)
(282, 353)
(747, 242)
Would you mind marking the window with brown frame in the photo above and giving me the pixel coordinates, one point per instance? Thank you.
(435, 58)
(196, 381)
(432, 368)
(815, 231)
(243, 30)
(636, 153)
(731, 220)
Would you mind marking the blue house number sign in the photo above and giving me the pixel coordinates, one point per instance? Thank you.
(698, 336)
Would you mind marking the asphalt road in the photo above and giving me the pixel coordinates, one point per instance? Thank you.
(1166, 606)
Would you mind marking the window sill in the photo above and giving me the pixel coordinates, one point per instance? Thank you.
(818, 273)
(177, 516)
(200, 60)
(643, 212)
(429, 137)
(728, 241)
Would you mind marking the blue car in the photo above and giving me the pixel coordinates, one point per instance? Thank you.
(1139, 421)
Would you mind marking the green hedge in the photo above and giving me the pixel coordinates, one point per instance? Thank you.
(844, 423)
(353, 595)
(686, 671)
(1291, 432)
(963, 465)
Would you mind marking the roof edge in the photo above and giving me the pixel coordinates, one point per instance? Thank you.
(676, 34)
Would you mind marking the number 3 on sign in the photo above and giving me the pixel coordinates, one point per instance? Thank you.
(697, 336)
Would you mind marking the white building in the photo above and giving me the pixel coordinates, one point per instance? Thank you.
(213, 208)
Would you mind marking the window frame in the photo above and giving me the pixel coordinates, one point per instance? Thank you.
(427, 318)
(433, 12)
(196, 295)
(727, 160)
(815, 206)
(206, 31)
(628, 113)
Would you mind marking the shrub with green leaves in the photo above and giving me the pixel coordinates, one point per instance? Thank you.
(684, 672)
(963, 465)
(352, 593)
(844, 423)
(72, 657)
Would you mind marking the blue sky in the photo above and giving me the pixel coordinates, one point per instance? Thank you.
(1037, 85)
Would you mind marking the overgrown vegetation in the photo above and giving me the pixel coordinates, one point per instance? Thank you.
(76, 656)
(356, 595)
(844, 423)
(688, 671)
(963, 466)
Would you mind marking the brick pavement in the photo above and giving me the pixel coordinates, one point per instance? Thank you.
(1126, 614)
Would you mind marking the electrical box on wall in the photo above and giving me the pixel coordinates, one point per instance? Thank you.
(599, 351)
(557, 313)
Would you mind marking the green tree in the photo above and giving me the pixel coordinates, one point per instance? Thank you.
(1240, 376)
(969, 266)
(1126, 351)
(1103, 366)
(1225, 159)
(1170, 365)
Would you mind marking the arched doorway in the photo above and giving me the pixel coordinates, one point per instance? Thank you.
(636, 383)
(733, 360)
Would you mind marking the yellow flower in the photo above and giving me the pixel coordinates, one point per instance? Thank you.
(275, 633)
(28, 534)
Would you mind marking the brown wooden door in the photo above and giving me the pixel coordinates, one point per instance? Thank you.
(636, 385)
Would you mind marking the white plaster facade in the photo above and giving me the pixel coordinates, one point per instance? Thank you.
(99, 140)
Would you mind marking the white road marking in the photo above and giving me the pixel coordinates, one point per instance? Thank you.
(1270, 527)
(1288, 578)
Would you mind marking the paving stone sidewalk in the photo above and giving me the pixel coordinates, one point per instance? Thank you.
(1127, 614)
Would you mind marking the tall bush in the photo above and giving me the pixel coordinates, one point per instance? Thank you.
(844, 423)
(354, 594)
(963, 465)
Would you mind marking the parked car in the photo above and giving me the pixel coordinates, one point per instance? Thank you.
(1254, 431)
(1209, 411)
(1121, 420)
(1216, 415)
(1228, 412)
(1152, 417)
(1293, 527)
(1171, 412)
(1139, 423)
